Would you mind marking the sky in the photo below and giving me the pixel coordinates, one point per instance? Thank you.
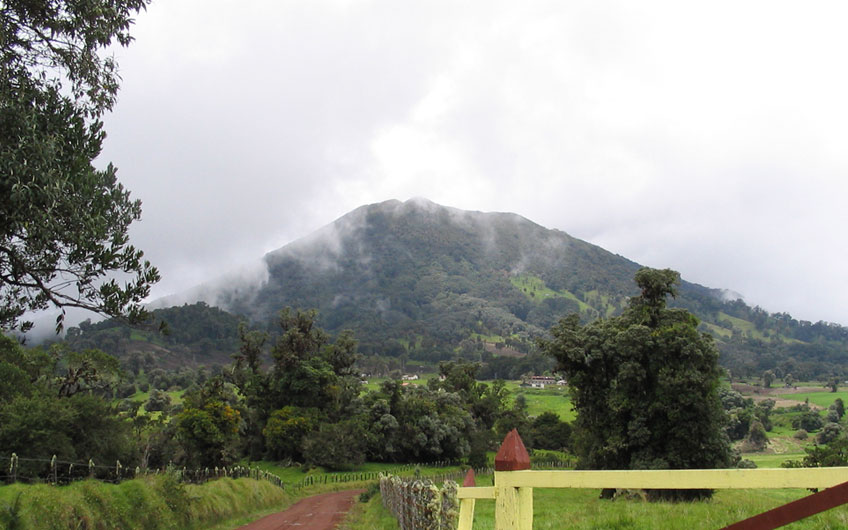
(706, 137)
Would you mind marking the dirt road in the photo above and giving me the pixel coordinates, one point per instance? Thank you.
(321, 512)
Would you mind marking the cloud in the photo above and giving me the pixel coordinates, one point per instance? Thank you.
(707, 138)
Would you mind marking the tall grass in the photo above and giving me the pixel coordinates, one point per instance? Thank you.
(147, 503)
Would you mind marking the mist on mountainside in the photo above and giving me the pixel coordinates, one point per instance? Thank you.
(422, 281)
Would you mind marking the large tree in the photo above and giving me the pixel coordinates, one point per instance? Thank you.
(63, 222)
(644, 384)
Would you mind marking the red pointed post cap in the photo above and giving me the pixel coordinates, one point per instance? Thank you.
(470, 480)
(512, 456)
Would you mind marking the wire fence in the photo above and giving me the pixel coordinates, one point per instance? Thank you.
(61, 472)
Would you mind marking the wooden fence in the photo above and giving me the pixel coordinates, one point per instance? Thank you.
(418, 504)
(514, 483)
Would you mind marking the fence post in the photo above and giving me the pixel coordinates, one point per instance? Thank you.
(513, 506)
(13, 467)
(53, 469)
(466, 506)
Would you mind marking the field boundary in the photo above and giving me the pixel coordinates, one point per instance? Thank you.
(514, 483)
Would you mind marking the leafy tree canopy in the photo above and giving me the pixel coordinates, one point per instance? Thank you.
(645, 384)
(63, 223)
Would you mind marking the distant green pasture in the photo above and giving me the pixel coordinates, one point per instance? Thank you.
(541, 400)
(772, 460)
(822, 399)
(535, 289)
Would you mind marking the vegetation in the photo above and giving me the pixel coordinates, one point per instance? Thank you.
(582, 509)
(419, 284)
(64, 222)
(152, 502)
(645, 385)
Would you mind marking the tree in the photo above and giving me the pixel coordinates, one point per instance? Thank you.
(158, 401)
(45, 412)
(768, 378)
(308, 373)
(208, 427)
(644, 384)
(839, 406)
(756, 440)
(63, 223)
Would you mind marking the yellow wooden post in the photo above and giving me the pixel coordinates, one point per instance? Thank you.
(466, 514)
(525, 508)
(513, 506)
(507, 508)
(466, 506)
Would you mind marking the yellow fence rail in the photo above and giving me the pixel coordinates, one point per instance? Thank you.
(513, 490)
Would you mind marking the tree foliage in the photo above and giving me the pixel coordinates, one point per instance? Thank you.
(644, 384)
(59, 402)
(63, 223)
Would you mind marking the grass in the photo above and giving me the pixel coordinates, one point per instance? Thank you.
(560, 404)
(294, 474)
(541, 400)
(772, 460)
(748, 329)
(535, 290)
(582, 509)
(370, 516)
(718, 330)
(823, 399)
(151, 502)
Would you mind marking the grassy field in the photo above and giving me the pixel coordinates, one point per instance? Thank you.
(536, 290)
(582, 509)
(774, 459)
(541, 400)
(822, 399)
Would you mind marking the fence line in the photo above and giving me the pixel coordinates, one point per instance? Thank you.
(61, 472)
(514, 482)
(418, 504)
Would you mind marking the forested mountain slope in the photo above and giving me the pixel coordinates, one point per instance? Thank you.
(428, 282)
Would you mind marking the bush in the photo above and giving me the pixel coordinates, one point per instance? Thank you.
(337, 446)
(829, 433)
(801, 434)
(157, 401)
(809, 421)
(373, 489)
(551, 458)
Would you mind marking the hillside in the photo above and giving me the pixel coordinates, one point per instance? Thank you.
(427, 282)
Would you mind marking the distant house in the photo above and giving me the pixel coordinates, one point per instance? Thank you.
(407, 377)
(540, 381)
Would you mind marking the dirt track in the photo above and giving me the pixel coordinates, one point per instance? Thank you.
(321, 512)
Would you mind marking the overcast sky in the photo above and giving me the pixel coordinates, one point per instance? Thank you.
(707, 137)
